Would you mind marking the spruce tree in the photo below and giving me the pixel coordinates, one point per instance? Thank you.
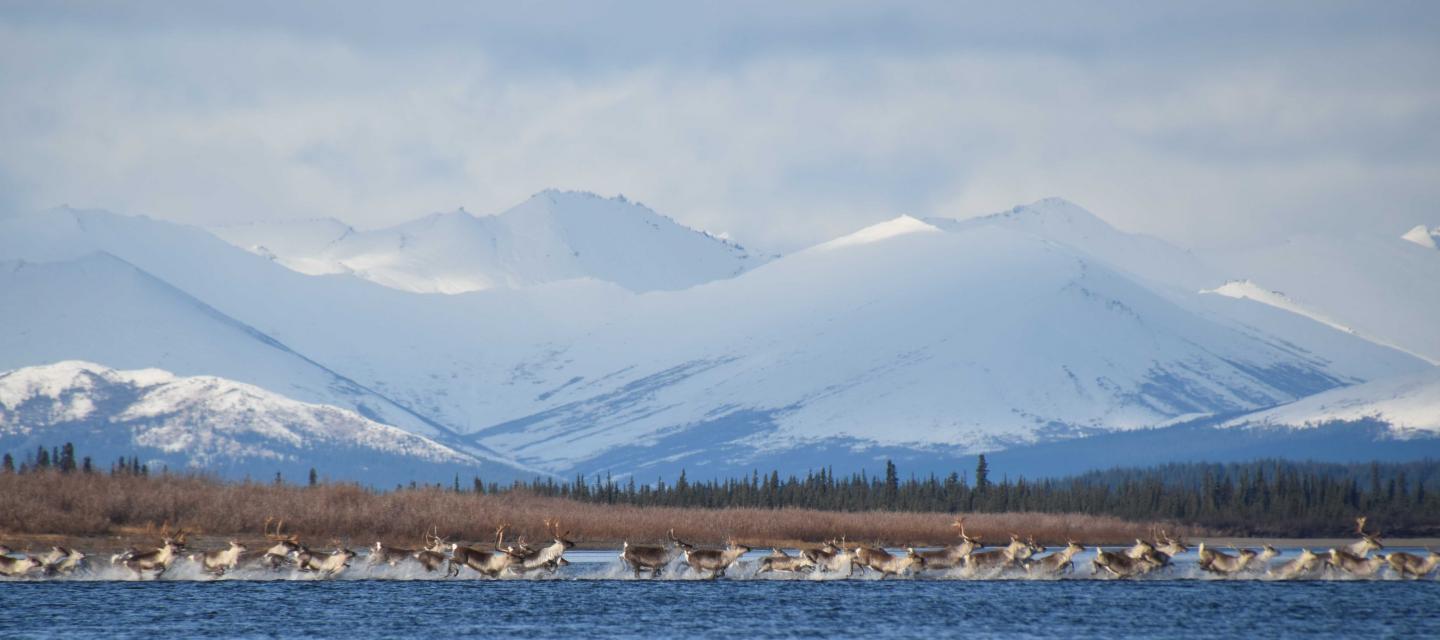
(67, 458)
(982, 474)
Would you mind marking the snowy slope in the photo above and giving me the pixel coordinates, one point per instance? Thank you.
(210, 423)
(289, 243)
(1179, 275)
(902, 335)
(1380, 286)
(451, 359)
(1409, 404)
(101, 308)
(1144, 258)
(550, 237)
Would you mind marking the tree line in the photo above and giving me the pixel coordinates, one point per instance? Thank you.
(1264, 497)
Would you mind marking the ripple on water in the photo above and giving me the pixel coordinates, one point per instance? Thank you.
(359, 610)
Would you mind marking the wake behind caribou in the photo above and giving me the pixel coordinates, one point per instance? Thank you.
(290, 557)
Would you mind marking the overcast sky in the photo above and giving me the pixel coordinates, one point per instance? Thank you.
(779, 123)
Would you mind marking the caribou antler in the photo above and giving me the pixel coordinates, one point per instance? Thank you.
(1360, 528)
(959, 523)
(680, 542)
(278, 536)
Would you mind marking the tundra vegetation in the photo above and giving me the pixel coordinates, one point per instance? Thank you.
(50, 492)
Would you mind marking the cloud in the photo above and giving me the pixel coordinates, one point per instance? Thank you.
(781, 128)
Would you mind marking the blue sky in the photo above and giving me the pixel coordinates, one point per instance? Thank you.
(1208, 124)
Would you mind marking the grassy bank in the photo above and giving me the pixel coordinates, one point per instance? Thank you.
(91, 505)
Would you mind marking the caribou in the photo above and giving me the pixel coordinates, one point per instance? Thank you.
(779, 561)
(548, 557)
(1122, 565)
(1355, 565)
(432, 557)
(1169, 546)
(1007, 557)
(1368, 541)
(156, 560)
(1223, 563)
(74, 560)
(1303, 565)
(1411, 565)
(490, 563)
(952, 556)
(431, 554)
(1267, 553)
(831, 557)
(15, 567)
(326, 564)
(61, 560)
(1055, 563)
(878, 559)
(1148, 552)
(381, 553)
(222, 560)
(282, 547)
(823, 556)
(716, 561)
(649, 557)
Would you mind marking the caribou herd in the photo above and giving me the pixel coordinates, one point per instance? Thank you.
(968, 557)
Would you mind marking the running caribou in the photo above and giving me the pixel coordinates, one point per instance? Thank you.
(282, 547)
(488, 562)
(222, 560)
(650, 557)
(1409, 565)
(715, 561)
(1056, 563)
(878, 559)
(951, 556)
(157, 560)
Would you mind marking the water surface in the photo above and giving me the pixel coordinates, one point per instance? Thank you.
(596, 598)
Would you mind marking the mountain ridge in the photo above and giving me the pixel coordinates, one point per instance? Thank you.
(215, 425)
(553, 235)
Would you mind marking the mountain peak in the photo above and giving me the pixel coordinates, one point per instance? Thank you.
(903, 225)
(1055, 210)
(1430, 239)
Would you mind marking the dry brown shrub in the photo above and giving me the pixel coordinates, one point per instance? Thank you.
(95, 504)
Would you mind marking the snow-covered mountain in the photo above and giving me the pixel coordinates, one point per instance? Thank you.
(552, 236)
(919, 338)
(213, 424)
(1409, 405)
(1144, 258)
(1380, 286)
(98, 307)
(905, 336)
